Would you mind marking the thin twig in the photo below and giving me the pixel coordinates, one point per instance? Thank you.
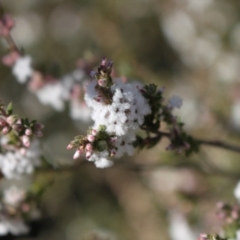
(219, 144)
(213, 143)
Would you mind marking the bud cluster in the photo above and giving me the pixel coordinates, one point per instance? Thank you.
(19, 131)
(97, 146)
(228, 213)
(20, 151)
(204, 236)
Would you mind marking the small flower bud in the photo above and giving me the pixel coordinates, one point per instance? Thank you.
(104, 61)
(235, 214)
(28, 132)
(89, 147)
(77, 154)
(203, 236)
(69, 146)
(102, 82)
(90, 138)
(94, 132)
(3, 123)
(26, 141)
(5, 130)
(88, 154)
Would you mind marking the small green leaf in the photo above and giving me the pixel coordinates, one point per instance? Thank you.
(10, 108)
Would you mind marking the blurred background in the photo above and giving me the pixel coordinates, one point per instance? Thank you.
(190, 47)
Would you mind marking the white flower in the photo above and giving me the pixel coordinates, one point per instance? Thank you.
(14, 164)
(175, 102)
(100, 159)
(179, 228)
(15, 226)
(14, 195)
(237, 191)
(122, 117)
(79, 111)
(22, 69)
(52, 94)
(238, 235)
(126, 112)
(235, 114)
(103, 163)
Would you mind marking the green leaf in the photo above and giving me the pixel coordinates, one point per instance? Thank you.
(10, 108)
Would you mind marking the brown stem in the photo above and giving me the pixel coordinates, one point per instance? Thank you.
(219, 144)
(213, 143)
(12, 45)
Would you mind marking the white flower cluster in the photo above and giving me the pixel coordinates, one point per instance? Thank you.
(14, 200)
(237, 192)
(14, 226)
(12, 197)
(22, 69)
(121, 117)
(54, 92)
(14, 164)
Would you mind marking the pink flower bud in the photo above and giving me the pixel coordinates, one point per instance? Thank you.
(28, 132)
(69, 146)
(77, 154)
(5, 130)
(203, 236)
(94, 132)
(102, 82)
(89, 147)
(3, 123)
(235, 214)
(10, 59)
(104, 61)
(88, 155)
(26, 141)
(90, 138)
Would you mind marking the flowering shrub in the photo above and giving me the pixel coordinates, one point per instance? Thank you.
(126, 115)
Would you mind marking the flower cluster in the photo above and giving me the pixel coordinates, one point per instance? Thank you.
(20, 154)
(20, 150)
(45, 82)
(119, 110)
(51, 89)
(230, 215)
(17, 207)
